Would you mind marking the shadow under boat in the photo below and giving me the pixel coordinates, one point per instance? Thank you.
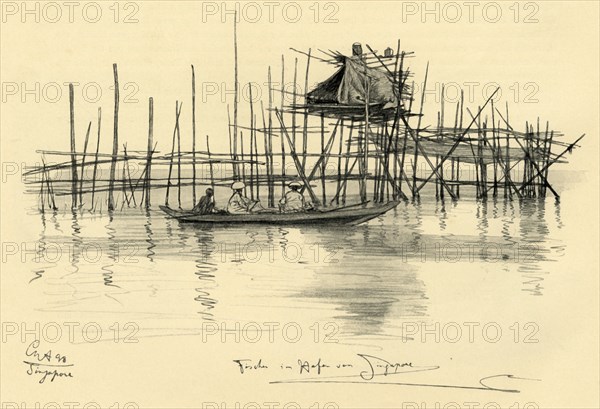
(347, 215)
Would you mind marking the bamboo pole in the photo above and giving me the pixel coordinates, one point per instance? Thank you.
(193, 136)
(440, 138)
(123, 188)
(548, 153)
(256, 166)
(494, 156)
(377, 176)
(179, 165)
(267, 157)
(305, 129)
(243, 163)
(115, 150)
(270, 134)
(235, 99)
(416, 136)
(177, 112)
(251, 144)
(281, 139)
(507, 192)
(323, 191)
(339, 162)
(348, 147)
(294, 102)
(210, 165)
(147, 187)
(73, 149)
(42, 206)
(85, 145)
(231, 154)
(96, 158)
(404, 143)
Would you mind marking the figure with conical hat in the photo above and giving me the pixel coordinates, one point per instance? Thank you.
(294, 201)
(239, 203)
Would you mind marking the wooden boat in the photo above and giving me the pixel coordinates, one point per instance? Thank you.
(348, 215)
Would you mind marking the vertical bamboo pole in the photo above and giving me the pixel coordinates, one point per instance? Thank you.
(251, 143)
(73, 149)
(455, 131)
(460, 126)
(441, 138)
(496, 148)
(179, 166)
(405, 141)
(525, 160)
(348, 152)
(256, 167)
(43, 179)
(235, 99)
(123, 177)
(210, 164)
(339, 162)
(251, 165)
(295, 88)
(177, 111)
(85, 145)
(281, 136)
(267, 156)
(305, 128)
(270, 140)
(377, 169)
(416, 152)
(270, 134)
(115, 150)
(437, 159)
(147, 186)
(363, 191)
(96, 158)
(324, 193)
(543, 159)
(386, 164)
(535, 161)
(193, 136)
(507, 191)
(243, 162)
(548, 158)
(231, 148)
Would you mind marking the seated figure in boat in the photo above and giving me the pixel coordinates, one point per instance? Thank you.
(206, 204)
(294, 201)
(240, 204)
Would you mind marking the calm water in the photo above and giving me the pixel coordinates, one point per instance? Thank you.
(169, 277)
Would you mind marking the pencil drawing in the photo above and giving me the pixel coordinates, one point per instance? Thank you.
(362, 196)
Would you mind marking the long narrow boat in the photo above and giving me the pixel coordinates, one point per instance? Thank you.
(348, 215)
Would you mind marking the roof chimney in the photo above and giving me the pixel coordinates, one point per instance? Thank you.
(357, 50)
(388, 52)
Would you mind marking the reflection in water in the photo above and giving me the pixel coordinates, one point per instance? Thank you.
(112, 253)
(206, 269)
(365, 277)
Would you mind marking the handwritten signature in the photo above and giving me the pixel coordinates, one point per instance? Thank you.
(369, 369)
(46, 365)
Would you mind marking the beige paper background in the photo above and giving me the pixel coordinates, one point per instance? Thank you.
(559, 53)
